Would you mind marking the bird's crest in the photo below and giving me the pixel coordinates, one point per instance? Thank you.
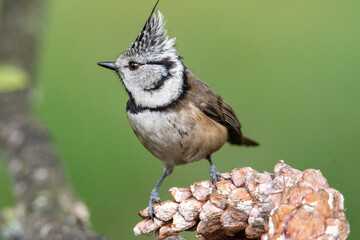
(153, 37)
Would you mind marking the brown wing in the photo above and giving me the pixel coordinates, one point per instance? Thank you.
(217, 109)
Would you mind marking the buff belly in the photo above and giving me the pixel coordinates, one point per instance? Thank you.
(179, 136)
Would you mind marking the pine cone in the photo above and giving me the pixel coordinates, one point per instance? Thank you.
(246, 204)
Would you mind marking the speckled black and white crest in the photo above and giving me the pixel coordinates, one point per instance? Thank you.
(153, 38)
(159, 81)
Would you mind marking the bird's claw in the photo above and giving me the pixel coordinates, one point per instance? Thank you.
(154, 197)
(214, 173)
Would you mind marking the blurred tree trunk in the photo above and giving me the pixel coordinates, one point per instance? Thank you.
(46, 207)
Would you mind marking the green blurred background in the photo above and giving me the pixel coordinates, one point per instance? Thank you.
(290, 70)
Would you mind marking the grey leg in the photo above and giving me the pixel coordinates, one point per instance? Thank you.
(154, 195)
(213, 171)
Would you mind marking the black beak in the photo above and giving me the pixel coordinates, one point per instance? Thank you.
(109, 65)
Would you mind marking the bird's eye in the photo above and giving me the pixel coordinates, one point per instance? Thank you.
(133, 66)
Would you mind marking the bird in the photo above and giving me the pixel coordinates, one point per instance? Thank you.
(177, 117)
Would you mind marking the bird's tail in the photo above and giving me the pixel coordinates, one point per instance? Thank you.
(236, 138)
(248, 142)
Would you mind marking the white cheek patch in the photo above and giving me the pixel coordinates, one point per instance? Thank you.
(166, 94)
(151, 80)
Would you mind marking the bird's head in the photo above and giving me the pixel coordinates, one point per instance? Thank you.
(151, 69)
